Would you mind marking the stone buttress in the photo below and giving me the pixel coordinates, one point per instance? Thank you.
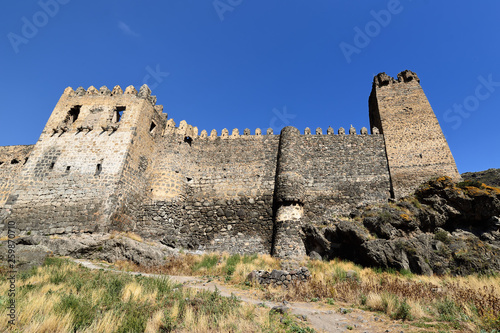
(289, 198)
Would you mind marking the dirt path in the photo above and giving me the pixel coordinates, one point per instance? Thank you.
(321, 317)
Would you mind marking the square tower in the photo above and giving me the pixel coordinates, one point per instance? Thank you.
(415, 145)
(87, 172)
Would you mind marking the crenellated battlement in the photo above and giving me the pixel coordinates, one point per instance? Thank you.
(382, 79)
(143, 93)
(187, 130)
(104, 110)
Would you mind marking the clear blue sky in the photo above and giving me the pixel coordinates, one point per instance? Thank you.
(258, 63)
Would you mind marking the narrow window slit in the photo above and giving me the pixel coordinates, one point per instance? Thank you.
(98, 169)
(118, 113)
(152, 127)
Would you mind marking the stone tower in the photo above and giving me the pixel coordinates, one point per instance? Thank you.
(87, 170)
(415, 145)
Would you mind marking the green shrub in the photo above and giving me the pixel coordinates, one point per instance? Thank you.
(135, 318)
(233, 260)
(162, 285)
(23, 276)
(339, 275)
(472, 183)
(403, 311)
(56, 262)
(207, 262)
(406, 272)
(385, 216)
(169, 324)
(442, 236)
(83, 312)
(249, 259)
(448, 310)
(231, 263)
(57, 277)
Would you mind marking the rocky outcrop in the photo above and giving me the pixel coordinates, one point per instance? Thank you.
(32, 250)
(490, 177)
(445, 227)
(279, 277)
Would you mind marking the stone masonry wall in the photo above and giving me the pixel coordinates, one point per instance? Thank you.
(416, 147)
(12, 159)
(216, 193)
(70, 182)
(341, 172)
(134, 188)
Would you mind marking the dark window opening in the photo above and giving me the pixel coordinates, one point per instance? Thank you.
(1, 162)
(68, 168)
(14, 161)
(119, 113)
(188, 140)
(74, 113)
(25, 161)
(420, 155)
(152, 127)
(52, 165)
(98, 169)
(189, 180)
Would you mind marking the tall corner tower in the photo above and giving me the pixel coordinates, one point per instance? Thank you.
(415, 145)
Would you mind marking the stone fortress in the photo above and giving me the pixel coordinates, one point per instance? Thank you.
(112, 160)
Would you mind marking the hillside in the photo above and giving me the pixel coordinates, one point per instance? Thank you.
(489, 177)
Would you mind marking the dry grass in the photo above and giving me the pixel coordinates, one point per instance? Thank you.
(472, 301)
(128, 234)
(64, 297)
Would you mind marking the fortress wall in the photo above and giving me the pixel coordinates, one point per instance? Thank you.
(12, 159)
(340, 172)
(220, 195)
(110, 160)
